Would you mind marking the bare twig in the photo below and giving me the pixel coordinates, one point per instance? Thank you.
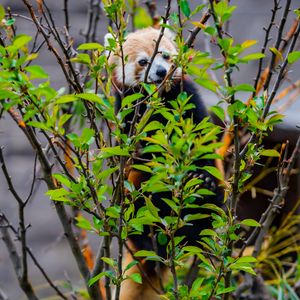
(157, 42)
(60, 209)
(267, 218)
(278, 41)
(192, 36)
(3, 296)
(266, 41)
(16, 260)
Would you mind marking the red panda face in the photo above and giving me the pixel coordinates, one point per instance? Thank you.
(138, 50)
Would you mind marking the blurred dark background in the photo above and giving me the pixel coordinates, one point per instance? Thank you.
(45, 236)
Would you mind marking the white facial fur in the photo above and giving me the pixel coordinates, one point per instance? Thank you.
(140, 46)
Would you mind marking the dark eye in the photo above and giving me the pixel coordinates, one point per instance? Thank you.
(143, 62)
(166, 55)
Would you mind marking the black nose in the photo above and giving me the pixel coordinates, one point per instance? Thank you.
(161, 72)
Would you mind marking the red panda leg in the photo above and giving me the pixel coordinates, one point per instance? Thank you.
(131, 290)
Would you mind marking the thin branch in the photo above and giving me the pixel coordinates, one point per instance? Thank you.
(284, 174)
(60, 209)
(281, 72)
(50, 46)
(277, 43)
(192, 36)
(157, 42)
(3, 296)
(50, 282)
(266, 41)
(16, 260)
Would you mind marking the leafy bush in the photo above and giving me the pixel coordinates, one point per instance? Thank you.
(88, 152)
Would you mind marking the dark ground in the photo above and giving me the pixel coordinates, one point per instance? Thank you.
(45, 236)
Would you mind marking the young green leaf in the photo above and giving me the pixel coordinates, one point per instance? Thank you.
(270, 152)
(213, 171)
(293, 57)
(244, 87)
(253, 56)
(36, 72)
(184, 5)
(276, 52)
(91, 97)
(144, 253)
(218, 111)
(83, 223)
(131, 98)
(250, 222)
(109, 261)
(66, 99)
(21, 40)
(91, 46)
(2, 12)
(136, 277)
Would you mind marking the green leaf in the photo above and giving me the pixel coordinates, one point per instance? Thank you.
(210, 30)
(82, 58)
(113, 212)
(184, 5)
(250, 222)
(253, 56)
(162, 238)
(109, 261)
(131, 264)
(208, 84)
(152, 209)
(244, 87)
(66, 99)
(270, 152)
(104, 174)
(141, 18)
(91, 46)
(32, 56)
(110, 151)
(214, 207)
(225, 43)
(224, 290)
(83, 223)
(144, 253)
(213, 171)
(154, 125)
(209, 232)
(218, 111)
(21, 40)
(136, 277)
(193, 217)
(248, 43)
(2, 13)
(57, 194)
(39, 125)
(192, 249)
(276, 52)
(91, 97)
(10, 22)
(246, 259)
(131, 98)
(242, 267)
(99, 276)
(293, 56)
(142, 168)
(36, 72)
(62, 179)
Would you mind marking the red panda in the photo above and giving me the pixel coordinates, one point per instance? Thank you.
(138, 49)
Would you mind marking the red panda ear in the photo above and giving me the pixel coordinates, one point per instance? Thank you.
(168, 33)
(107, 37)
